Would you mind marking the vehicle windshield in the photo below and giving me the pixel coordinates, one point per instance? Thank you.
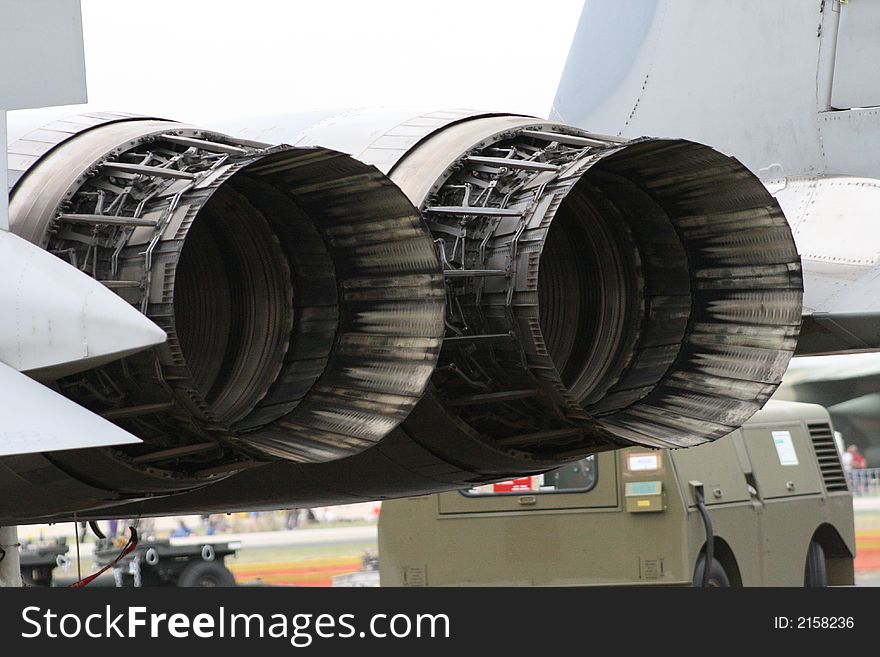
(574, 477)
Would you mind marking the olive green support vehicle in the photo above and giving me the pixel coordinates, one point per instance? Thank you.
(779, 509)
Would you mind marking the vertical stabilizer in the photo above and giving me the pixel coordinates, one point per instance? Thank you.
(790, 87)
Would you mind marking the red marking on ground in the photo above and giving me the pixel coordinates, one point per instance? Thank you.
(314, 574)
(867, 550)
(867, 561)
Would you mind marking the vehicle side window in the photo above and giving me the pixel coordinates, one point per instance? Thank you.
(575, 477)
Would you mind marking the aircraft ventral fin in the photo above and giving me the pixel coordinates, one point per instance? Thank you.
(34, 418)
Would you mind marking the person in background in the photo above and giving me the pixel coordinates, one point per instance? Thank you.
(181, 530)
(853, 462)
(854, 458)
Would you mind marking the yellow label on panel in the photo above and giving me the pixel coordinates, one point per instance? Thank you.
(643, 503)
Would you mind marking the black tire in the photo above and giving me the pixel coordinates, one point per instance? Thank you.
(815, 570)
(205, 574)
(39, 576)
(717, 575)
(126, 580)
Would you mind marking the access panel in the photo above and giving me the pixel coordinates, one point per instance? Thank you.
(782, 460)
(856, 83)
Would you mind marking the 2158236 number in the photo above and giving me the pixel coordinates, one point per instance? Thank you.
(825, 622)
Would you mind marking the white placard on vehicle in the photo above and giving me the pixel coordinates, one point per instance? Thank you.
(784, 448)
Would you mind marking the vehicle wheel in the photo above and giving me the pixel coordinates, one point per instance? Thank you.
(41, 576)
(717, 576)
(815, 573)
(205, 573)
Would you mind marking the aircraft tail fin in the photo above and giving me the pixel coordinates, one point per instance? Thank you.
(765, 81)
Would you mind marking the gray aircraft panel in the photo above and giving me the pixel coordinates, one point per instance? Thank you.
(739, 76)
(41, 54)
(36, 419)
(851, 141)
(857, 52)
